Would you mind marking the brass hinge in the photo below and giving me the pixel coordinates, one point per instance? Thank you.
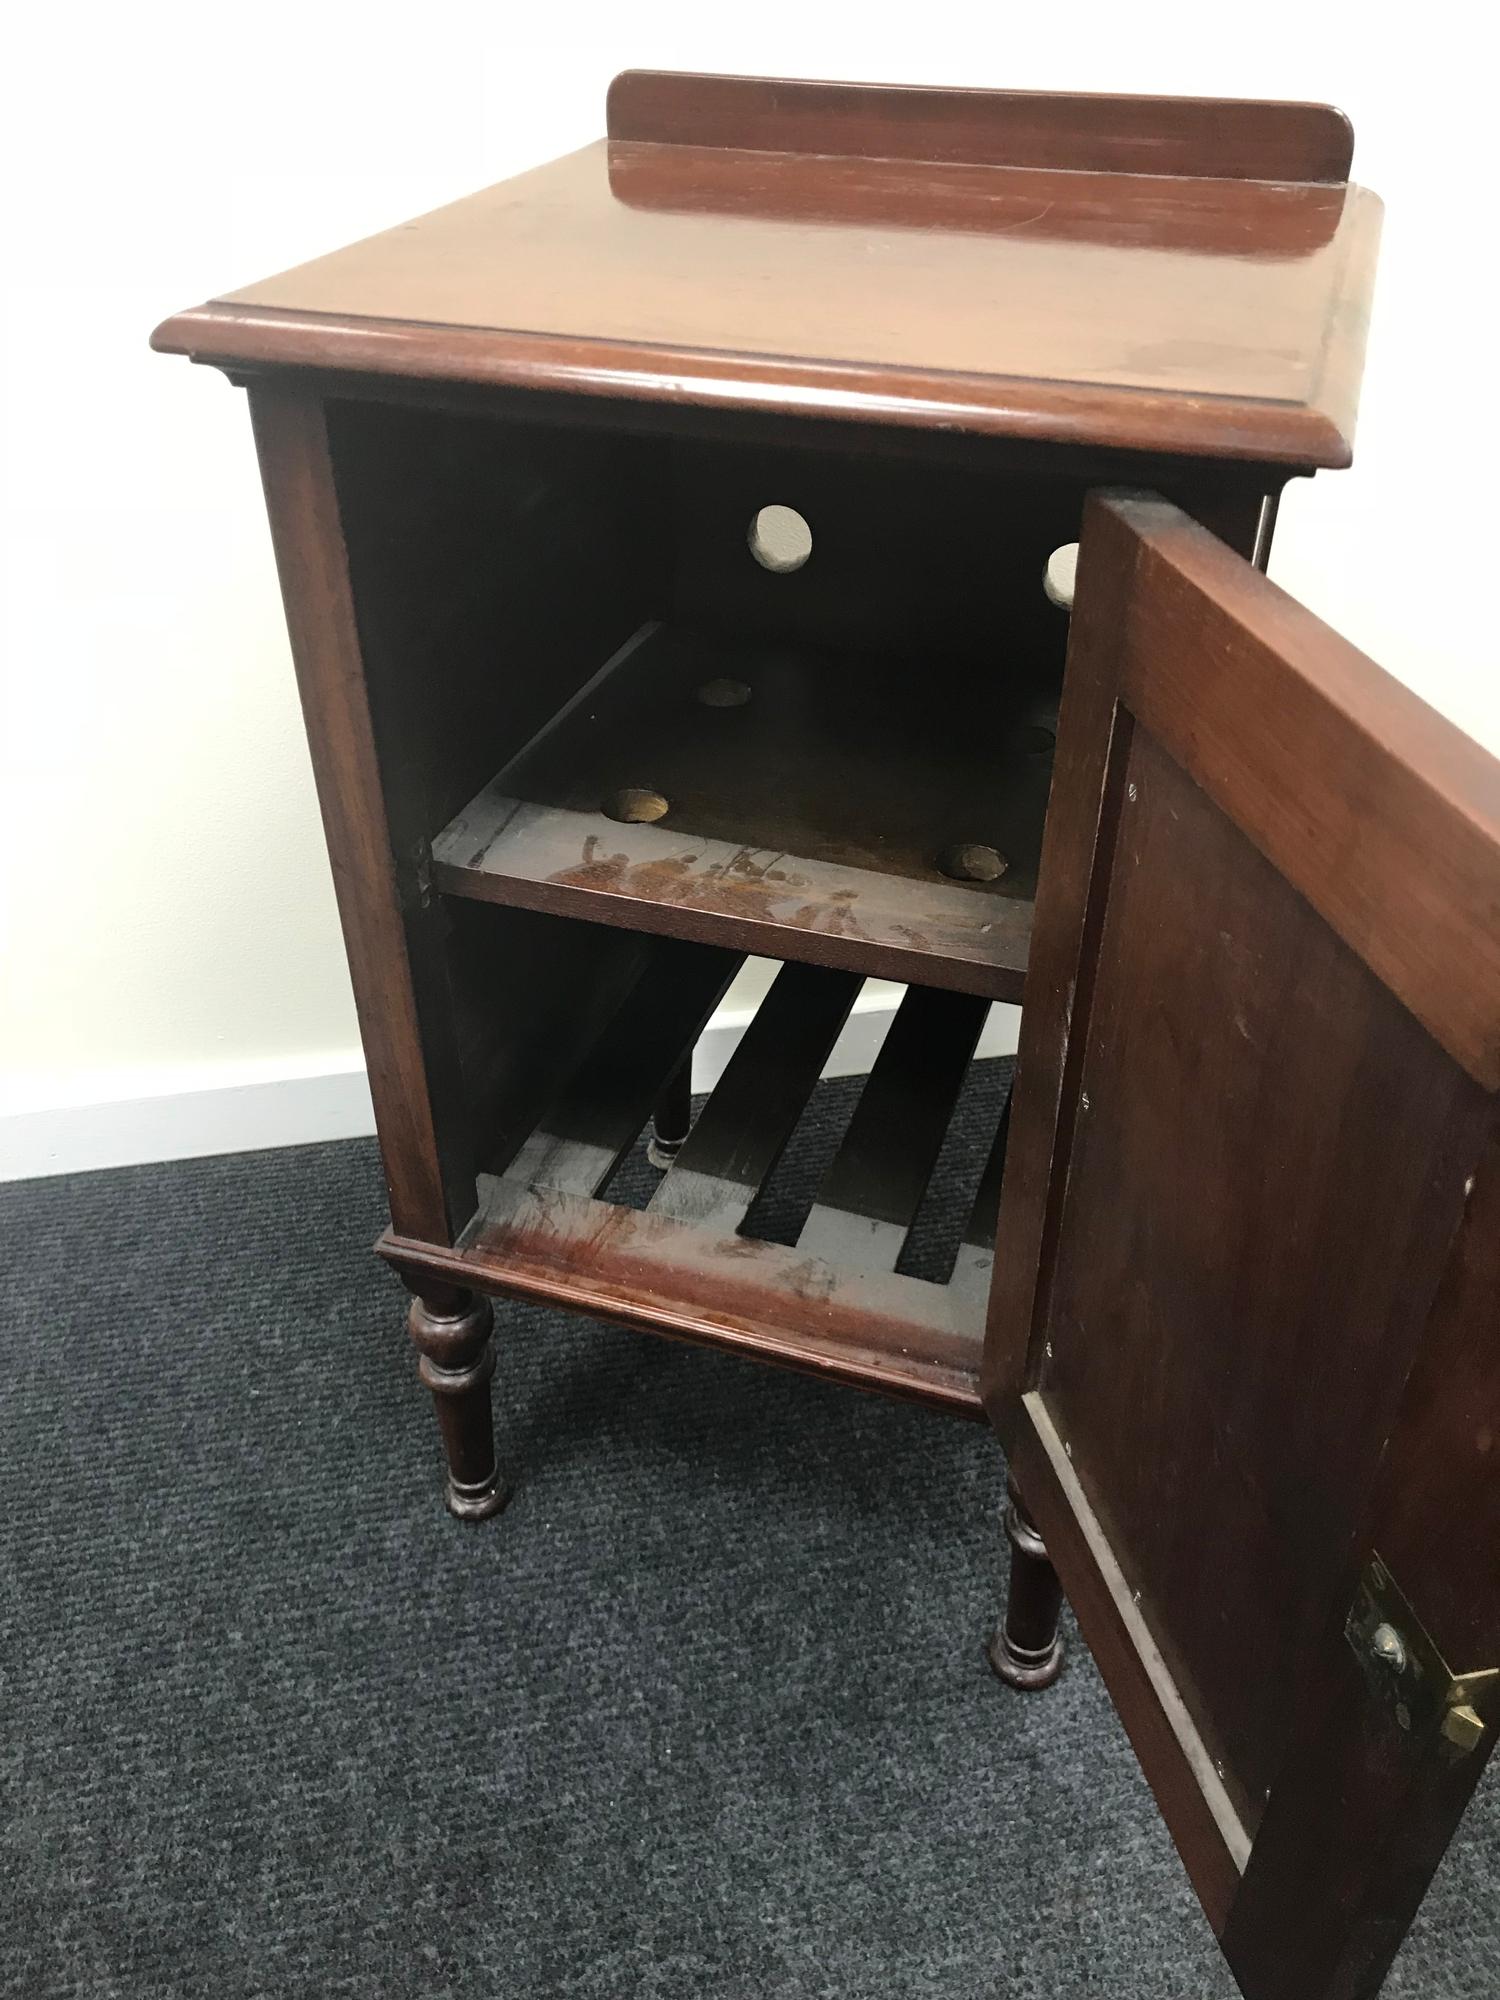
(1407, 1672)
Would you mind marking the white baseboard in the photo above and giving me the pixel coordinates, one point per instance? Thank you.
(221, 1112)
(184, 1114)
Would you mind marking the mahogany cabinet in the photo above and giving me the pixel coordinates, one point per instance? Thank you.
(589, 724)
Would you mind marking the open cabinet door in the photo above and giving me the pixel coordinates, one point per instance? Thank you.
(1244, 1344)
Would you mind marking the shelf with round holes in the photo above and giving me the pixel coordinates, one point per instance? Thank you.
(843, 808)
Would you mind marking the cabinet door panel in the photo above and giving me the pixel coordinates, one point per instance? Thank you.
(1251, 1132)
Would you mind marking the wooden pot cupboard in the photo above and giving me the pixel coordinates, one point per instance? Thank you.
(589, 725)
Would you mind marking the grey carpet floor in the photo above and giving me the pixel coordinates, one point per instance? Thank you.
(703, 1713)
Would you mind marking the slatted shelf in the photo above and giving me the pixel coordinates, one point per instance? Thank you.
(686, 1263)
(738, 1137)
(809, 803)
(873, 1189)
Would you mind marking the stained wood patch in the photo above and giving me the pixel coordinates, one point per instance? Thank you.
(648, 877)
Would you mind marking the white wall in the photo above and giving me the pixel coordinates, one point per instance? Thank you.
(168, 920)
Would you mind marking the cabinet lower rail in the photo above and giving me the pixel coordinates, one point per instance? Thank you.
(877, 1332)
(821, 1287)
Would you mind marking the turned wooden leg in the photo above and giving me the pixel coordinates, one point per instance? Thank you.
(452, 1329)
(1026, 1651)
(674, 1117)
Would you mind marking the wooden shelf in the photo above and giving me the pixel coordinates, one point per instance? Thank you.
(834, 1302)
(809, 794)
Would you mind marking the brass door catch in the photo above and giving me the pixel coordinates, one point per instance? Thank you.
(1406, 1671)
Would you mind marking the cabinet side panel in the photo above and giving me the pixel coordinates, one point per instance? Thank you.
(292, 440)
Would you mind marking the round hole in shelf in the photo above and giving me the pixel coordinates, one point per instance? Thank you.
(780, 539)
(723, 693)
(634, 805)
(971, 861)
(1058, 576)
(1035, 739)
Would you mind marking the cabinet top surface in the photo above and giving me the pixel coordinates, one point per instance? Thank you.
(1195, 278)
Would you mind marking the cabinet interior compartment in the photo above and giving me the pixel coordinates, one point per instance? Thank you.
(689, 1257)
(821, 732)
(554, 617)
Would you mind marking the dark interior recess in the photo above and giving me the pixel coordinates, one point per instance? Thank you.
(622, 710)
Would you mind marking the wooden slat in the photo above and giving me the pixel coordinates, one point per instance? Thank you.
(749, 1118)
(985, 1213)
(874, 1185)
(897, 1335)
(976, 1253)
(596, 1118)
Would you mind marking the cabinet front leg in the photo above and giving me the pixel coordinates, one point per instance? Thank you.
(1026, 1652)
(452, 1331)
